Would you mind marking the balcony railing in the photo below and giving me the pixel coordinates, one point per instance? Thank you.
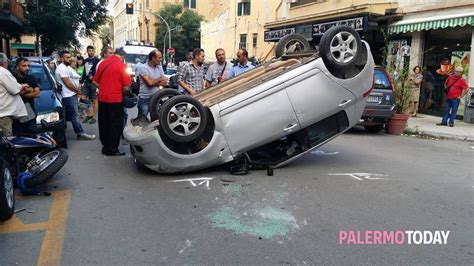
(13, 7)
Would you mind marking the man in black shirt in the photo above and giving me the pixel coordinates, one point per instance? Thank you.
(30, 91)
(89, 89)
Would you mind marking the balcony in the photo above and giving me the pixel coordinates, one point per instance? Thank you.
(11, 13)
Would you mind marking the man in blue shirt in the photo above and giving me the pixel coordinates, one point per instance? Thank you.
(243, 64)
(151, 78)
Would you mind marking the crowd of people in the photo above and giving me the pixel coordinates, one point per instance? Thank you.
(101, 85)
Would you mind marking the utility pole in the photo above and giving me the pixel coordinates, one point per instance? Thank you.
(40, 53)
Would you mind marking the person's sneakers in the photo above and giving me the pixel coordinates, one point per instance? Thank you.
(85, 136)
(87, 119)
(451, 125)
(117, 153)
(92, 120)
(441, 124)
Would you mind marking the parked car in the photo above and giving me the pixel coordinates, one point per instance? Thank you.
(48, 105)
(380, 104)
(269, 115)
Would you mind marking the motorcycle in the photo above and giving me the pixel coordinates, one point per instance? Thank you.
(38, 157)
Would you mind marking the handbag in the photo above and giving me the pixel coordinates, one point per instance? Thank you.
(447, 88)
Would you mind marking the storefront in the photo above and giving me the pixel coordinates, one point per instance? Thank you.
(22, 49)
(369, 27)
(438, 44)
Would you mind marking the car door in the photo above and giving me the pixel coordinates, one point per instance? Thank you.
(316, 96)
(257, 117)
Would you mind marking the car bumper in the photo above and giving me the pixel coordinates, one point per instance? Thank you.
(377, 115)
(149, 149)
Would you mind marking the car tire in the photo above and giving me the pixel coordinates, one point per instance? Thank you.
(183, 118)
(336, 43)
(291, 43)
(7, 193)
(53, 160)
(157, 101)
(373, 129)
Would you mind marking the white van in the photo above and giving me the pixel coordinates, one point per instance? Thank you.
(135, 51)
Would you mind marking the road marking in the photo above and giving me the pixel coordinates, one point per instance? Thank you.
(204, 181)
(360, 176)
(55, 228)
(320, 152)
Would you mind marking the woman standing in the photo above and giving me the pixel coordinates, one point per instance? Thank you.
(80, 65)
(415, 83)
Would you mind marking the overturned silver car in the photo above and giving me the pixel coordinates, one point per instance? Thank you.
(270, 115)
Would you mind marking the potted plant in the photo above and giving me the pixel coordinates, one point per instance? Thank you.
(402, 93)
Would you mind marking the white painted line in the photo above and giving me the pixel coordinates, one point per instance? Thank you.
(360, 176)
(203, 181)
(320, 152)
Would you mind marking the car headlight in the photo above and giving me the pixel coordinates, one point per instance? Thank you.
(49, 117)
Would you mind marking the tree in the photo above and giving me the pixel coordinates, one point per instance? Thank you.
(188, 35)
(60, 23)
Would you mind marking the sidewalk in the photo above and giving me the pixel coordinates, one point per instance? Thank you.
(425, 125)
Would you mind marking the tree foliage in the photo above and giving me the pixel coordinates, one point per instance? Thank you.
(61, 23)
(187, 37)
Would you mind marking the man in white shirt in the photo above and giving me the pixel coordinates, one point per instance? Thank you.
(64, 75)
(11, 104)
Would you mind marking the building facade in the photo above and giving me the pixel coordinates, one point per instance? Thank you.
(11, 22)
(311, 18)
(438, 36)
(238, 24)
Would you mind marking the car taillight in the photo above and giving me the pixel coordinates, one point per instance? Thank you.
(371, 88)
(389, 79)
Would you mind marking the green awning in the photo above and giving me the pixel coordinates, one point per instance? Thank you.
(431, 23)
(22, 46)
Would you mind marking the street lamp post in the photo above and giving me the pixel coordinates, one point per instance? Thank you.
(40, 53)
(169, 32)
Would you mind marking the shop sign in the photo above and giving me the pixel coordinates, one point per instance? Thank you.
(321, 28)
(275, 35)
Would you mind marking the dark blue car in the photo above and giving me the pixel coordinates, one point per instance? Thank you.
(48, 105)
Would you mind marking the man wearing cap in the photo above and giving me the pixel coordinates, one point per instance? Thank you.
(457, 88)
(113, 81)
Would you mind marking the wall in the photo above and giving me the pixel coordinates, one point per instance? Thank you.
(224, 27)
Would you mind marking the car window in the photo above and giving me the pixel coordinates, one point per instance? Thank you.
(131, 58)
(170, 71)
(381, 80)
(38, 72)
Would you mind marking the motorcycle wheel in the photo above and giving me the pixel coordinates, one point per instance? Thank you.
(7, 193)
(47, 165)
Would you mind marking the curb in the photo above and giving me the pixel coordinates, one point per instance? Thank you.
(437, 135)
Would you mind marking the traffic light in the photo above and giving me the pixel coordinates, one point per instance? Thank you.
(129, 8)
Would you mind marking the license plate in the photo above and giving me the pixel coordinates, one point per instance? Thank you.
(374, 99)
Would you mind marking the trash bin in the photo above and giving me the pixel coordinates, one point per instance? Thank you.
(469, 109)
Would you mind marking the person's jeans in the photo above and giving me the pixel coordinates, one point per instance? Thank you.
(450, 105)
(72, 113)
(142, 105)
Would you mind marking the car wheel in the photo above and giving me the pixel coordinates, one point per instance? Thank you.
(373, 129)
(340, 47)
(7, 193)
(292, 43)
(157, 101)
(46, 166)
(183, 118)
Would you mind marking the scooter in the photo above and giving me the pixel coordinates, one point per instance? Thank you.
(38, 158)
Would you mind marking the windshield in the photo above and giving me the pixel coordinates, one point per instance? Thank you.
(38, 72)
(381, 80)
(131, 58)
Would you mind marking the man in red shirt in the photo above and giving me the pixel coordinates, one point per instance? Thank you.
(113, 82)
(457, 89)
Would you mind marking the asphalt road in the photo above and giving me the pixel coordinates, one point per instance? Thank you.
(122, 214)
